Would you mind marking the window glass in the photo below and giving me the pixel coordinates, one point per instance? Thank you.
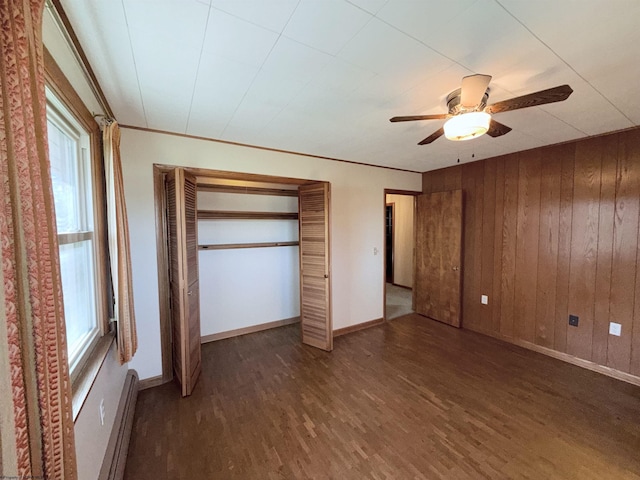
(76, 264)
(64, 174)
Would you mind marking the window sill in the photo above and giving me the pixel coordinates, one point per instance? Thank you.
(81, 386)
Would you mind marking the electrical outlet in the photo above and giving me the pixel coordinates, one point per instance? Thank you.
(484, 299)
(573, 320)
(102, 412)
(615, 329)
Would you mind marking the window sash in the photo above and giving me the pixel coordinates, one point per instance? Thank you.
(66, 238)
(86, 307)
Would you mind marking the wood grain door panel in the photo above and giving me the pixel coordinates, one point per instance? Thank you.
(183, 277)
(438, 256)
(315, 278)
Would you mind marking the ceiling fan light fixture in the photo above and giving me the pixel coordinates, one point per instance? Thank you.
(467, 126)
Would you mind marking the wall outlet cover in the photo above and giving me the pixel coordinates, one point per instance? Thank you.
(484, 299)
(573, 320)
(615, 329)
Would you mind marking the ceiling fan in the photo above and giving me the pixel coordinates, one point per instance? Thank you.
(470, 117)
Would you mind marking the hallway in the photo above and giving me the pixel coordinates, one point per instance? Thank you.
(397, 301)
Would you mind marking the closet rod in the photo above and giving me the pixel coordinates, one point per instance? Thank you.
(226, 246)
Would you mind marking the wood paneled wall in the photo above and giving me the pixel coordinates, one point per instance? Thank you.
(551, 232)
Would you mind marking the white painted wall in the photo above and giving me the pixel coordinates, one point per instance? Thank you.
(357, 222)
(246, 287)
(91, 436)
(403, 239)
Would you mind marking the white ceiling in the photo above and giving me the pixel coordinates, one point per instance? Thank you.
(324, 76)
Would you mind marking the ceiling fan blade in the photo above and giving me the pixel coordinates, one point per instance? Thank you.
(473, 89)
(497, 129)
(434, 136)
(437, 116)
(551, 95)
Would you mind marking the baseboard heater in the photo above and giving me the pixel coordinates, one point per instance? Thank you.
(115, 457)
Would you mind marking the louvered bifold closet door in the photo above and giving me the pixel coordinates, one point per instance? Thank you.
(315, 266)
(183, 277)
(193, 284)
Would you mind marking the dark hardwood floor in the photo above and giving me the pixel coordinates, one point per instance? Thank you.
(412, 398)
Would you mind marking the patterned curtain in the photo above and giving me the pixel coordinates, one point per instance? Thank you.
(36, 426)
(119, 250)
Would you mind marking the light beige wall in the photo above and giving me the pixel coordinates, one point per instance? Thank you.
(357, 206)
(403, 239)
(92, 437)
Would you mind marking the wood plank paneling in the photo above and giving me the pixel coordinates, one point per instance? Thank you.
(527, 233)
(452, 179)
(609, 152)
(477, 170)
(444, 180)
(554, 231)
(550, 174)
(469, 251)
(625, 243)
(488, 205)
(566, 156)
(496, 301)
(584, 246)
(509, 222)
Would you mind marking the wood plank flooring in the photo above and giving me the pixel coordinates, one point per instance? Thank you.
(410, 399)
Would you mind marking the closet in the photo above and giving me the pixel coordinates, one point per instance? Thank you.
(248, 257)
(229, 247)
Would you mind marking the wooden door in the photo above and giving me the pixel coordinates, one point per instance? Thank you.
(315, 266)
(183, 277)
(438, 256)
(388, 241)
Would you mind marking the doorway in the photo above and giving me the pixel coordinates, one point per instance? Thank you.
(388, 238)
(399, 241)
(312, 219)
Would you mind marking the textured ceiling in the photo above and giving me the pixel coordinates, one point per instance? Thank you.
(324, 76)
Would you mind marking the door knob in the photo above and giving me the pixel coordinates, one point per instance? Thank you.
(189, 293)
(456, 268)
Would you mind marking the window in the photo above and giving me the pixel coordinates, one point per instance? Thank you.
(71, 175)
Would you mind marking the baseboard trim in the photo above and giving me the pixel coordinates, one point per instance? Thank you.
(358, 327)
(151, 382)
(401, 286)
(565, 357)
(246, 330)
(115, 457)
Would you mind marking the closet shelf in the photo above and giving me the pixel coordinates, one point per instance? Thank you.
(277, 192)
(229, 215)
(226, 246)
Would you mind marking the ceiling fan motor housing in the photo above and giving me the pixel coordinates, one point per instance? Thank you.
(455, 106)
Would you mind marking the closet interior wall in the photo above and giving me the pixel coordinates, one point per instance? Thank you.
(248, 259)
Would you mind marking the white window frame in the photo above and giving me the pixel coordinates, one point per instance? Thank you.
(62, 118)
